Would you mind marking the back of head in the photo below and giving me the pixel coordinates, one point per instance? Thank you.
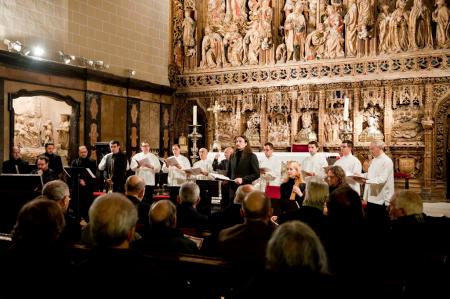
(242, 192)
(163, 213)
(295, 246)
(112, 217)
(316, 193)
(410, 202)
(39, 224)
(256, 206)
(134, 185)
(345, 207)
(55, 190)
(189, 193)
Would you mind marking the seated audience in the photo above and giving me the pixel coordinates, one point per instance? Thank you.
(245, 244)
(311, 212)
(292, 189)
(163, 236)
(187, 214)
(135, 192)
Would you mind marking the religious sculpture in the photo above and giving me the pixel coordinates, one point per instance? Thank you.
(406, 128)
(365, 26)
(63, 131)
(420, 34)
(252, 131)
(47, 132)
(216, 13)
(351, 22)
(306, 134)
(442, 18)
(383, 29)
(398, 28)
(232, 41)
(235, 11)
(278, 131)
(295, 33)
(93, 134)
(189, 26)
(335, 38)
(252, 45)
(315, 43)
(265, 24)
(213, 55)
(372, 131)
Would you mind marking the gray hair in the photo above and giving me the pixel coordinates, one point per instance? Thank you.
(411, 202)
(189, 192)
(112, 216)
(163, 212)
(242, 192)
(134, 184)
(378, 143)
(55, 190)
(294, 245)
(316, 194)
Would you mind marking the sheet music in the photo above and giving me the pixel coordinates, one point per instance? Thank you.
(145, 162)
(194, 171)
(66, 173)
(172, 161)
(220, 177)
(90, 173)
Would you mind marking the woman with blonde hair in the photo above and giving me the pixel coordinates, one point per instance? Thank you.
(292, 189)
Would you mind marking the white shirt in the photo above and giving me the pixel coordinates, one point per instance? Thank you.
(315, 163)
(204, 164)
(351, 165)
(272, 177)
(147, 174)
(177, 176)
(380, 180)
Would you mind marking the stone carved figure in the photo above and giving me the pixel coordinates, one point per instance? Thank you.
(252, 45)
(366, 20)
(279, 131)
(306, 134)
(47, 132)
(265, 24)
(216, 12)
(315, 43)
(351, 22)
(420, 34)
(398, 28)
(383, 29)
(253, 5)
(189, 26)
(406, 128)
(372, 131)
(442, 18)
(233, 43)
(335, 38)
(252, 131)
(63, 131)
(213, 55)
(295, 30)
(235, 11)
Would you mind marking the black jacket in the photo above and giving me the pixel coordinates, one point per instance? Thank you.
(9, 166)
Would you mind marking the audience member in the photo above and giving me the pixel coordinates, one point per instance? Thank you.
(336, 178)
(187, 214)
(135, 192)
(292, 189)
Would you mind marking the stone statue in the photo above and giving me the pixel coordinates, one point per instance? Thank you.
(289, 7)
(366, 20)
(295, 28)
(252, 45)
(442, 17)
(189, 26)
(351, 22)
(383, 29)
(63, 131)
(306, 134)
(398, 28)
(265, 24)
(47, 132)
(233, 43)
(315, 43)
(420, 34)
(213, 55)
(281, 53)
(216, 12)
(253, 5)
(372, 131)
(235, 11)
(406, 128)
(335, 38)
(252, 131)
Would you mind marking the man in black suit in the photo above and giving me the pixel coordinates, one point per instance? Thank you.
(54, 160)
(43, 169)
(115, 166)
(135, 192)
(15, 164)
(86, 182)
(244, 165)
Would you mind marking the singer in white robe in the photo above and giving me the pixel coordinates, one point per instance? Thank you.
(314, 165)
(145, 165)
(177, 176)
(350, 164)
(204, 164)
(271, 162)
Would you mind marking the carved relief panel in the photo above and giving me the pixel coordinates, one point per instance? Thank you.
(372, 111)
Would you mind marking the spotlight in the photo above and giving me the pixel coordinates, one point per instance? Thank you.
(131, 73)
(67, 59)
(38, 51)
(13, 46)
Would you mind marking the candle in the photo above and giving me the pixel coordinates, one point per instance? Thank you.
(194, 116)
(346, 103)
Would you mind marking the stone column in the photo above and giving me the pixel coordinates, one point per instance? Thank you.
(427, 124)
(388, 115)
(356, 114)
(264, 123)
(322, 111)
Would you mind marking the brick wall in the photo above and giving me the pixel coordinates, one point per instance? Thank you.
(126, 34)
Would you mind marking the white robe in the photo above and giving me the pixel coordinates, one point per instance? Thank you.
(177, 176)
(272, 177)
(379, 186)
(351, 165)
(315, 164)
(147, 174)
(206, 165)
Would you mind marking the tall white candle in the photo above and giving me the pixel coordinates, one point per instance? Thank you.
(194, 116)
(346, 103)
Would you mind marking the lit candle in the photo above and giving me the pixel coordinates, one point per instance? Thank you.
(194, 116)
(346, 103)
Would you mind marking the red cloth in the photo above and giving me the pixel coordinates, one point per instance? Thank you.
(273, 192)
(303, 148)
(160, 197)
(97, 194)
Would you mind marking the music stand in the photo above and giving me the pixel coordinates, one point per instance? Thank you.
(15, 191)
(75, 174)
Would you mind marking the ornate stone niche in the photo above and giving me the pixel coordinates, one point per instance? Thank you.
(39, 117)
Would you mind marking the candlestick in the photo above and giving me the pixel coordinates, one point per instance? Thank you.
(194, 116)
(346, 103)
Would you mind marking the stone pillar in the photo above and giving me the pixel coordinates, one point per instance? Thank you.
(294, 115)
(264, 123)
(388, 115)
(322, 111)
(356, 114)
(427, 124)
